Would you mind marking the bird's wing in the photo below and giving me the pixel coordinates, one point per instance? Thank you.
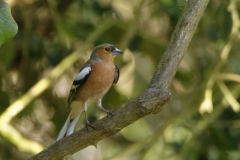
(117, 74)
(79, 81)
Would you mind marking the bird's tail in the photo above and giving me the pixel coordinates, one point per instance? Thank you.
(76, 109)
(68, 127)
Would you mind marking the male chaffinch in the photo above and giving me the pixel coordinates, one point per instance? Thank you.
(91, 84)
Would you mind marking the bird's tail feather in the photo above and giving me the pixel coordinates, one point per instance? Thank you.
(62, 133)
(72, 125)
(68, 127)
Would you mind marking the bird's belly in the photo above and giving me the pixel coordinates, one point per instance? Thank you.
(97, 85)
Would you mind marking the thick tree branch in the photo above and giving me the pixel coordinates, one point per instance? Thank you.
(150, 102)
(178, 44)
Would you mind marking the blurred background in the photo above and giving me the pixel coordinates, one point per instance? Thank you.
(202, 119)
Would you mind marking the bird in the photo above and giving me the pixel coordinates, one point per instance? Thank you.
(90, 85)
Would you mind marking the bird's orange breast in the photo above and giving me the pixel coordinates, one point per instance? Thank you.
(98, 83)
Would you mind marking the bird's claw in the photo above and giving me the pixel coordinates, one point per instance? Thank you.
(88, 124)
(109, 113)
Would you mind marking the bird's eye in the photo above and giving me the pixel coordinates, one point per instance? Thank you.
(107, 49)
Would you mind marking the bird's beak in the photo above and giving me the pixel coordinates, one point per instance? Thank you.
(117, 51)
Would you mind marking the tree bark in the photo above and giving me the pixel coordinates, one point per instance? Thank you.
(150, 102)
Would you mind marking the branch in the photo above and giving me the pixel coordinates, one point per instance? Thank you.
(9, 132)
(150, 102)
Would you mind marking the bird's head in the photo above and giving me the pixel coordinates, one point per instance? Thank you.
(105, 52)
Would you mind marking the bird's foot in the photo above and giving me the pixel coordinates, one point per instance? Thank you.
(88, 124)
(109, 113)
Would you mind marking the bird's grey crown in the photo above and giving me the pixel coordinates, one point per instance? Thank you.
(105, 44)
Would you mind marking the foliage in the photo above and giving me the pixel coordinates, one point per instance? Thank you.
(8, 27)
(200, 122)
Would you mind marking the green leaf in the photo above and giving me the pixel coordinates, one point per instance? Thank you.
(8, 27)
